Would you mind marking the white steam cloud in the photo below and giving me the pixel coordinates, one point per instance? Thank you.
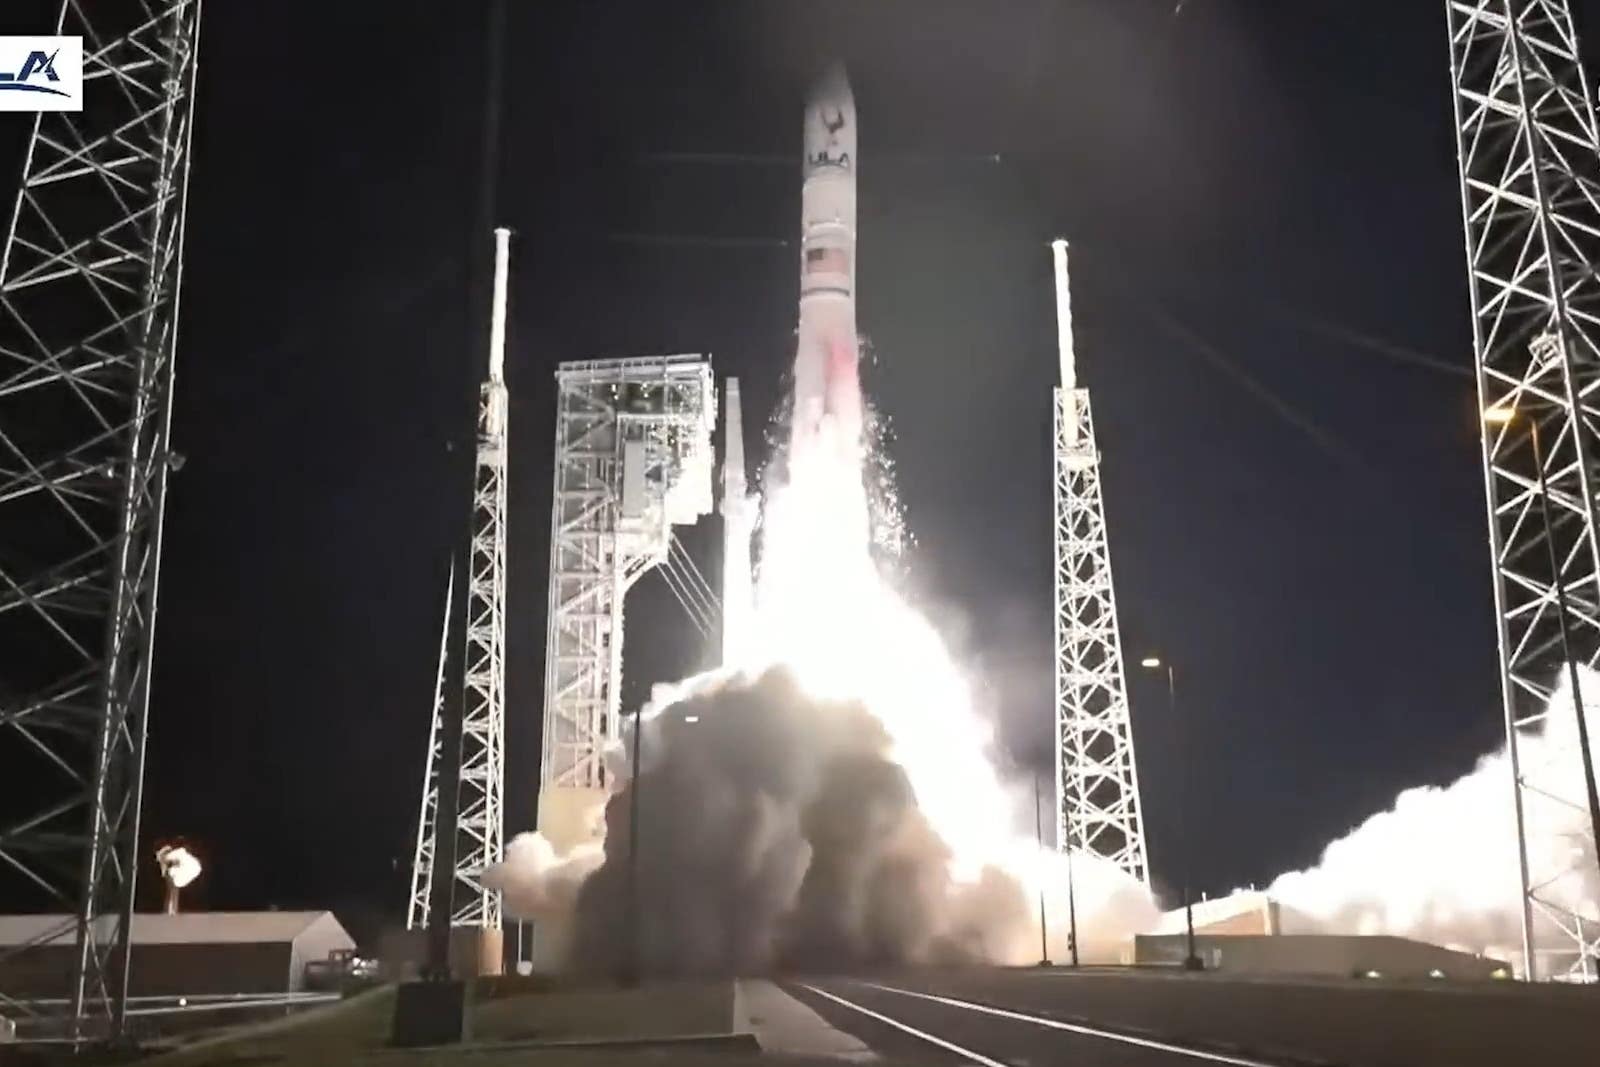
(1441, 866)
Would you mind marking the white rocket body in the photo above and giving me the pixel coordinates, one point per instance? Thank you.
(827, 386)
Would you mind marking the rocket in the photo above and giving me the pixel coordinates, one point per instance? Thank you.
(827, 385)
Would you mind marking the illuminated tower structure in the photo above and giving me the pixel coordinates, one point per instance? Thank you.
(633, 459)
(1530, 191)
(1097, 784)
(90, 275)
(480, 794)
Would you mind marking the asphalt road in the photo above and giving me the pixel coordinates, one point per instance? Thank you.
(1119, 1018)
(915, 1019)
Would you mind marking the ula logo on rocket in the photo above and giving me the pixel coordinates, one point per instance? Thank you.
(824, 157)
(41, 73)
(832, 122)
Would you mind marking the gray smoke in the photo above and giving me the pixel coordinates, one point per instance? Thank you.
(776, 833)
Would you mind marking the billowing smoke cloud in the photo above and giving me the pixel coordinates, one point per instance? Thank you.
(537, 883)
(1442, 865)
(777, 833)
(773, 831)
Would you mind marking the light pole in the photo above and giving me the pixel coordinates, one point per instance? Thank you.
(1072, 894)
(631, 966)
(1038, 830)
(1504, 416)
(1191, 961)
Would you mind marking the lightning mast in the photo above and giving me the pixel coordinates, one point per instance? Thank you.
(480, 833)
(1529, 155)
(1097, 785)
(90, 276)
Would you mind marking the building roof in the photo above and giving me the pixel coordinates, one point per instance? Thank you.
(1224, 911)
(189, 928)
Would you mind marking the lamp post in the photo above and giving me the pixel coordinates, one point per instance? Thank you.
(1038, 830)
(1504, 416)
(1072, 895)
(632, 963)
(1191, 961)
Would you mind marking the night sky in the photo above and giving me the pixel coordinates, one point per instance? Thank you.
(1266, 225)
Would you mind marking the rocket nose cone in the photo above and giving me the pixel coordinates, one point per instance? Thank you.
(830, 128)
(833, 86)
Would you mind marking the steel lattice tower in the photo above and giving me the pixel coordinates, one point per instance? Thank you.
(1530, 187)
(481, 838)
(1097, 784)
(89, 283)
(633, 459)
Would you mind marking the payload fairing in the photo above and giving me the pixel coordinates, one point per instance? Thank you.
(827, 385)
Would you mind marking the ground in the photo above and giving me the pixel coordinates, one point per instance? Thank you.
(1017, 1017)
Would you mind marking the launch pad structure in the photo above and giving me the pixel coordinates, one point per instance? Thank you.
(1529, 153)
(1097, 782)
(633, 459)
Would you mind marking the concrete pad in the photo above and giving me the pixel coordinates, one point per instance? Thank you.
(1357, 1023)
(782, 1024)
(658, 1010)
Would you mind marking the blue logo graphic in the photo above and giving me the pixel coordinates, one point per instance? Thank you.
(37, 63)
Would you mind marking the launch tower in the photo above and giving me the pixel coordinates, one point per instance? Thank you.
(1097, 785)
(633, 459)
(1530, 189)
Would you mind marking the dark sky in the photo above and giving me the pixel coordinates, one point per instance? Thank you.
(1244, 184)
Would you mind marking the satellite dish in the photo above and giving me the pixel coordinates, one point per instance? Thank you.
(179, 866)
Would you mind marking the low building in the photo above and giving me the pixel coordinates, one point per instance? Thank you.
(186, 954)
(1325, 955)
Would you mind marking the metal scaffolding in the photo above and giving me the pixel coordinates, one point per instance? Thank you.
(480, 828)
(89, 283)
(1530, 188)
(1097, 784)
(633, 459)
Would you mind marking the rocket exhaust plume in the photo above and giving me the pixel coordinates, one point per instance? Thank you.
(777, 833)
(828, 800)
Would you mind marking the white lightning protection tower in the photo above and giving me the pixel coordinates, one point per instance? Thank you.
(481, 793)
(1097, 784)
(90, 277)
(1530, 191)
